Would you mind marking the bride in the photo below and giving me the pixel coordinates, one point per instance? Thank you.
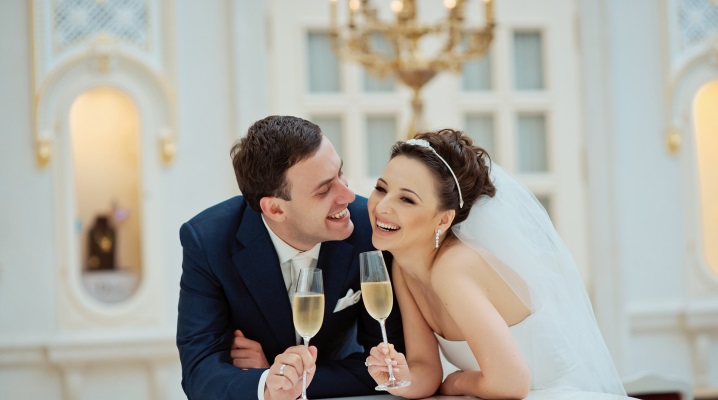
(480, 271)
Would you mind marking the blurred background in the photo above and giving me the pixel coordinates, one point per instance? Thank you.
(117, 117)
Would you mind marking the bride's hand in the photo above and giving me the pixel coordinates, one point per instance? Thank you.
(380, 357)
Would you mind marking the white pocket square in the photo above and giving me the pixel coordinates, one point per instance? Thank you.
(349, 300)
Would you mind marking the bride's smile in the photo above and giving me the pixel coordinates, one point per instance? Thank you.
(403, 207)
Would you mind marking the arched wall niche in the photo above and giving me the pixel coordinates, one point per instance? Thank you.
(692, 75)
(106, 178)
(154, 104)
(699, 307)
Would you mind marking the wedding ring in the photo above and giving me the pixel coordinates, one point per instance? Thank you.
(367, 363)
(281, 369)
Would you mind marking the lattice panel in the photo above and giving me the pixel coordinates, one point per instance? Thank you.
(698, 20)
(76, 20)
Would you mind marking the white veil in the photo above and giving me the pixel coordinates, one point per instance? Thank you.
(516, 237)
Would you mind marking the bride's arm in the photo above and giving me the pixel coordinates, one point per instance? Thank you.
(422, 351)
(504, 372)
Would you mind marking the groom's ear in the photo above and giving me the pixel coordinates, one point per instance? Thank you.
(272, 208)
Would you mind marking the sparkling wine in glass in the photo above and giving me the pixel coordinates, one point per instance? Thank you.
(308, 309)
(378, 300)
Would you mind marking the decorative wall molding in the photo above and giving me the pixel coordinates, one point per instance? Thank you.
(104, 36)
(65, 29)
(692, 317)
(83, 348)
(698, 20)
(74, 356)
(18, 355)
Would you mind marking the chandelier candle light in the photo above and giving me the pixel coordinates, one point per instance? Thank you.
(458, 44)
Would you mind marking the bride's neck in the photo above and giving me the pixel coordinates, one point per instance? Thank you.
(416, 263)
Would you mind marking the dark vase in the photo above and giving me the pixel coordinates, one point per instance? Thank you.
(101, 245)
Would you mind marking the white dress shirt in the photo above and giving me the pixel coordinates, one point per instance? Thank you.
(285, 253)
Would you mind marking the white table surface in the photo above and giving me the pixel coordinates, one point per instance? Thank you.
(533, 395)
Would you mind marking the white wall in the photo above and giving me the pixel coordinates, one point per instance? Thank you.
(637, 195)
(648, 212)
(26, 254)
(118, 361)
(649, 226)
(639, 250)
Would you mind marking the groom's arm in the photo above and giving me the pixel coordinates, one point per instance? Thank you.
(203, 332)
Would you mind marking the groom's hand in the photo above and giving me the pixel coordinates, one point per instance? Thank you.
(247, 353)
(284, 381)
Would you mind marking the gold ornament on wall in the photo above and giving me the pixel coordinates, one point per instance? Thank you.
(459, 43)
(43, 151)
(168, 146)
(103, 52)
(673, 140)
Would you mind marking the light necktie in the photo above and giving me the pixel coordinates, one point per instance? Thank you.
(298, 262)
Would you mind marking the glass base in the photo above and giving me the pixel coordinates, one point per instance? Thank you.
(390, 385)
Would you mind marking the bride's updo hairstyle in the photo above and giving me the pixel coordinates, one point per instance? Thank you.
(469, 163)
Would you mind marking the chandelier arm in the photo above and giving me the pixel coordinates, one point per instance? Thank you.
(405, 58)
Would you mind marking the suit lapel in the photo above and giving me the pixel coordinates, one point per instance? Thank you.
(258, 265)
(335, 261)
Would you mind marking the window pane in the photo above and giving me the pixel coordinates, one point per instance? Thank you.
(381, 135)
(528, 61)
(332, 128)
(323, 65)
(476, 74)
(481, 128)
(532, 144)
(373, 83)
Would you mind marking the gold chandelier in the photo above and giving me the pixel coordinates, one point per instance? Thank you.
(458, 43)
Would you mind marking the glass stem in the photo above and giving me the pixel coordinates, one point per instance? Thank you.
(383, 335)
(304, 374)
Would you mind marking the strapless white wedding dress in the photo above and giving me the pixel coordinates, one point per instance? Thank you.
(560, 340)
(552, 365)
(549, 363)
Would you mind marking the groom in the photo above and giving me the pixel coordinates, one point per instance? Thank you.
(240, 258)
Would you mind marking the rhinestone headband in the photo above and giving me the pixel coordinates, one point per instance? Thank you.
(425, 144)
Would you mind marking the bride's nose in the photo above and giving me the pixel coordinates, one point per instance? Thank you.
(382, 207)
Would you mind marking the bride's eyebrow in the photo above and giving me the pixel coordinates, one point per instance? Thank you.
(413, 192)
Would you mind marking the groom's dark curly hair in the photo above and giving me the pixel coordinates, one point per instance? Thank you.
(470, 163)
(272, 146)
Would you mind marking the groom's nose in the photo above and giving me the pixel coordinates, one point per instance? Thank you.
(346, 195)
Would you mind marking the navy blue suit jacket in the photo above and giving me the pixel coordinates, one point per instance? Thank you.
(231, 279)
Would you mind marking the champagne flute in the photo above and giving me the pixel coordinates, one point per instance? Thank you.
(308, 309)
(378, 300)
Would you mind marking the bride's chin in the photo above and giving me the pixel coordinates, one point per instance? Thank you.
(378, 244)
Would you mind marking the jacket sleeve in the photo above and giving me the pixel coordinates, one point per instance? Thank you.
(204, 336)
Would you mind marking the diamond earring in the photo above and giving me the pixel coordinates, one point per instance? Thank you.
(438, 232)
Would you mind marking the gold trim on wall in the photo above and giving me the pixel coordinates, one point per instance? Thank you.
(168, 146)
(673, 140)
(103, 54)
(41, 145)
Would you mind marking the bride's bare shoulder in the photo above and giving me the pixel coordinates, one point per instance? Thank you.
(456, 260)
